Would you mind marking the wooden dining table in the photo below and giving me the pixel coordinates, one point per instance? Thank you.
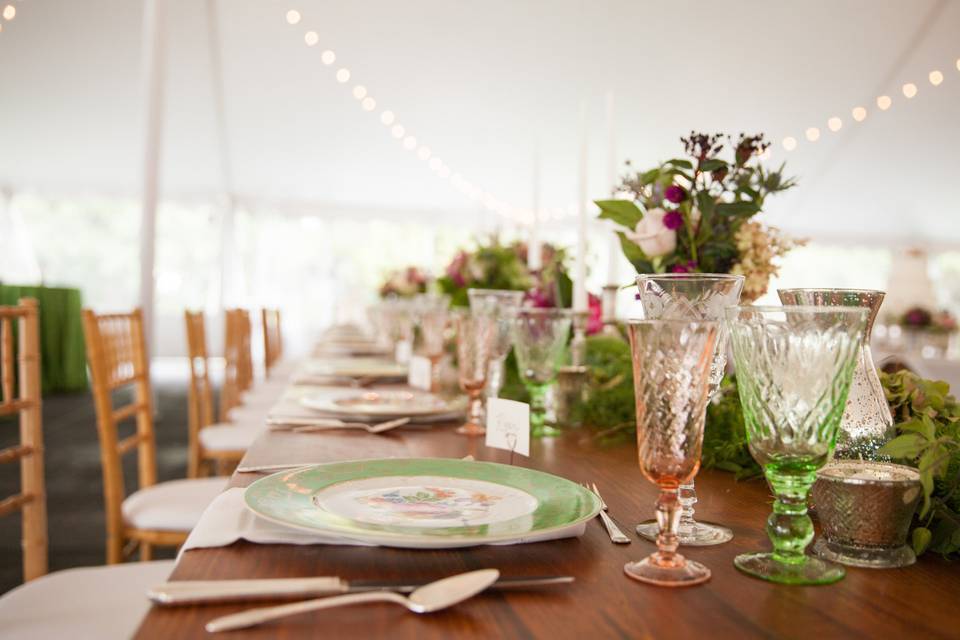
(916, 601)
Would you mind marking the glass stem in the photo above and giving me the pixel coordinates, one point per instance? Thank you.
(668, 519)
(538, 407)
(789, 527)
(435, 372)
(687, 497)
(475, 413)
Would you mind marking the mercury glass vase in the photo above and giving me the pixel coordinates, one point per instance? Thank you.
(794, 368)
(867, 422)
(502, 306)
(671, 378)
(692, 296)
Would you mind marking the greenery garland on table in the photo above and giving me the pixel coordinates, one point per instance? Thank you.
(927, 416)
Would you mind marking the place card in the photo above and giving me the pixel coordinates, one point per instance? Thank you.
(403, 351)
(508, 425)
(420, 374)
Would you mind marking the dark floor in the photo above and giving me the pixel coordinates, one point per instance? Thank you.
(74, 481)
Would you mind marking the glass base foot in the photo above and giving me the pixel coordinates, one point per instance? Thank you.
(683, 573)
(810, 571)
(471, 429)
(865, 557)
(701, 534)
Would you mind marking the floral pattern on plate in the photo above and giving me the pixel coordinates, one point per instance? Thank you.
(418, 503)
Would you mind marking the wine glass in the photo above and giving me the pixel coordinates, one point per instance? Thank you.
(476, 340)
(502, 305)
(433, 313)
(794, 367)
(539, 342)
(671, 376)
(692, 296)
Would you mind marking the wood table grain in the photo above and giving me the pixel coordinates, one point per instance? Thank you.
(918, 601)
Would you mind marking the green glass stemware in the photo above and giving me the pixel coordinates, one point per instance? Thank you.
(794, 366)
(539, 342)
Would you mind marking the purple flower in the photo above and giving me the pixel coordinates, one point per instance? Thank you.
(689, 267)
(673, 220)
(675, 194)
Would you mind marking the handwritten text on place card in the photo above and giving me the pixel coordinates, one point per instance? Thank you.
(508, 425)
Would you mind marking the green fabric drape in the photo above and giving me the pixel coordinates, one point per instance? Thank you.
(62, 352)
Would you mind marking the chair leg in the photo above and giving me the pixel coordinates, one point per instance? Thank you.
(114, 550)
(146, 552)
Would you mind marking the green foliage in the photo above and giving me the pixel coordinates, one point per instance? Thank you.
(610, 401)
(928, 427)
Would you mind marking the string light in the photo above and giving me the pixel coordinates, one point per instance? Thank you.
(399, 132)
(935, 78)
(9, 12)
(834, 123)
(859, 114)
(909, 90)
(884, 102)
(789, 143)
(812, 134)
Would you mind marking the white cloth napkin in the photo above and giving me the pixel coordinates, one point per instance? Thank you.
(227, 520)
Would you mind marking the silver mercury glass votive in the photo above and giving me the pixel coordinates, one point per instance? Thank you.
(865, 509)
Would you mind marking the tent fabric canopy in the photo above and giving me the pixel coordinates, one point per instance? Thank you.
(482, 84)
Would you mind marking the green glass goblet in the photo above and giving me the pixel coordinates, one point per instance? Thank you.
(794, 366)
(539, 342)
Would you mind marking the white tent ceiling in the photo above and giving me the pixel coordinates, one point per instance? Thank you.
(479, 82)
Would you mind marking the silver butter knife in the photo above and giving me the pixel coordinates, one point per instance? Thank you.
(210, 591)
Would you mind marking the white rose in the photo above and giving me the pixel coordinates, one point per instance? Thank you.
(651, 236)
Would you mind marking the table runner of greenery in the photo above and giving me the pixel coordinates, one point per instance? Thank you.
(63, 357)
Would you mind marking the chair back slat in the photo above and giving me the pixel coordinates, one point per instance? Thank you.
(272, 338)
(117, 357)
(238, 362)
(200, 393)
(245, 355)
(24, 399)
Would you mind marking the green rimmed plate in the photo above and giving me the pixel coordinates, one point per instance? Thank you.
(425, 503)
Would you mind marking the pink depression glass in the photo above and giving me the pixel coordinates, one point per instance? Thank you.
(476, 340)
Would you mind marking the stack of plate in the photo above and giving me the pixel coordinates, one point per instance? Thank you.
(382, 405)
(425, 503)
(348, 340)
(351, 369)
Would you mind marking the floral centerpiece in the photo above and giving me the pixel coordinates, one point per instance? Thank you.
(921, 319)
(404, 283)
(696, 214)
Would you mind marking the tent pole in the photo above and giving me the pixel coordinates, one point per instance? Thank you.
(153, 72)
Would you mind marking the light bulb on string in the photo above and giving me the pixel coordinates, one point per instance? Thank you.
(343, 75)
(359, 92)
(834, 123)
(293, 16)
(410, 143)
(311, 38)
(368, 104)
(789, 143)
(397, 131)
(884, 102)
(328, 57)
(859, 114)
(935, 78)
(423, 153)
(387, 118)
(909, 90)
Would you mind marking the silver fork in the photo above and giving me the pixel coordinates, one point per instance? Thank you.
(616, 535)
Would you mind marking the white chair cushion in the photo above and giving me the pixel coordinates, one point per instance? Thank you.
(171, 506)
(248, 415)
(92, 602)
(229, 437)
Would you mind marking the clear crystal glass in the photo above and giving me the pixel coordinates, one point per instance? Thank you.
(433, 314)
(692, 296)
(539, 342)
(867, 422)
(671, 377)
(502, 305)
(794, 366)
(476, 340)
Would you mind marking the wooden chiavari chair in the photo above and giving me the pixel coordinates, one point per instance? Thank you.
(245, 355)
(272, 338)
(157, 513)
(231, 392)
(23, 399)
(220, 444)
(89, 602)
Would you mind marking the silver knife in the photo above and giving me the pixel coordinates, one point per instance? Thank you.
(212, 591)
